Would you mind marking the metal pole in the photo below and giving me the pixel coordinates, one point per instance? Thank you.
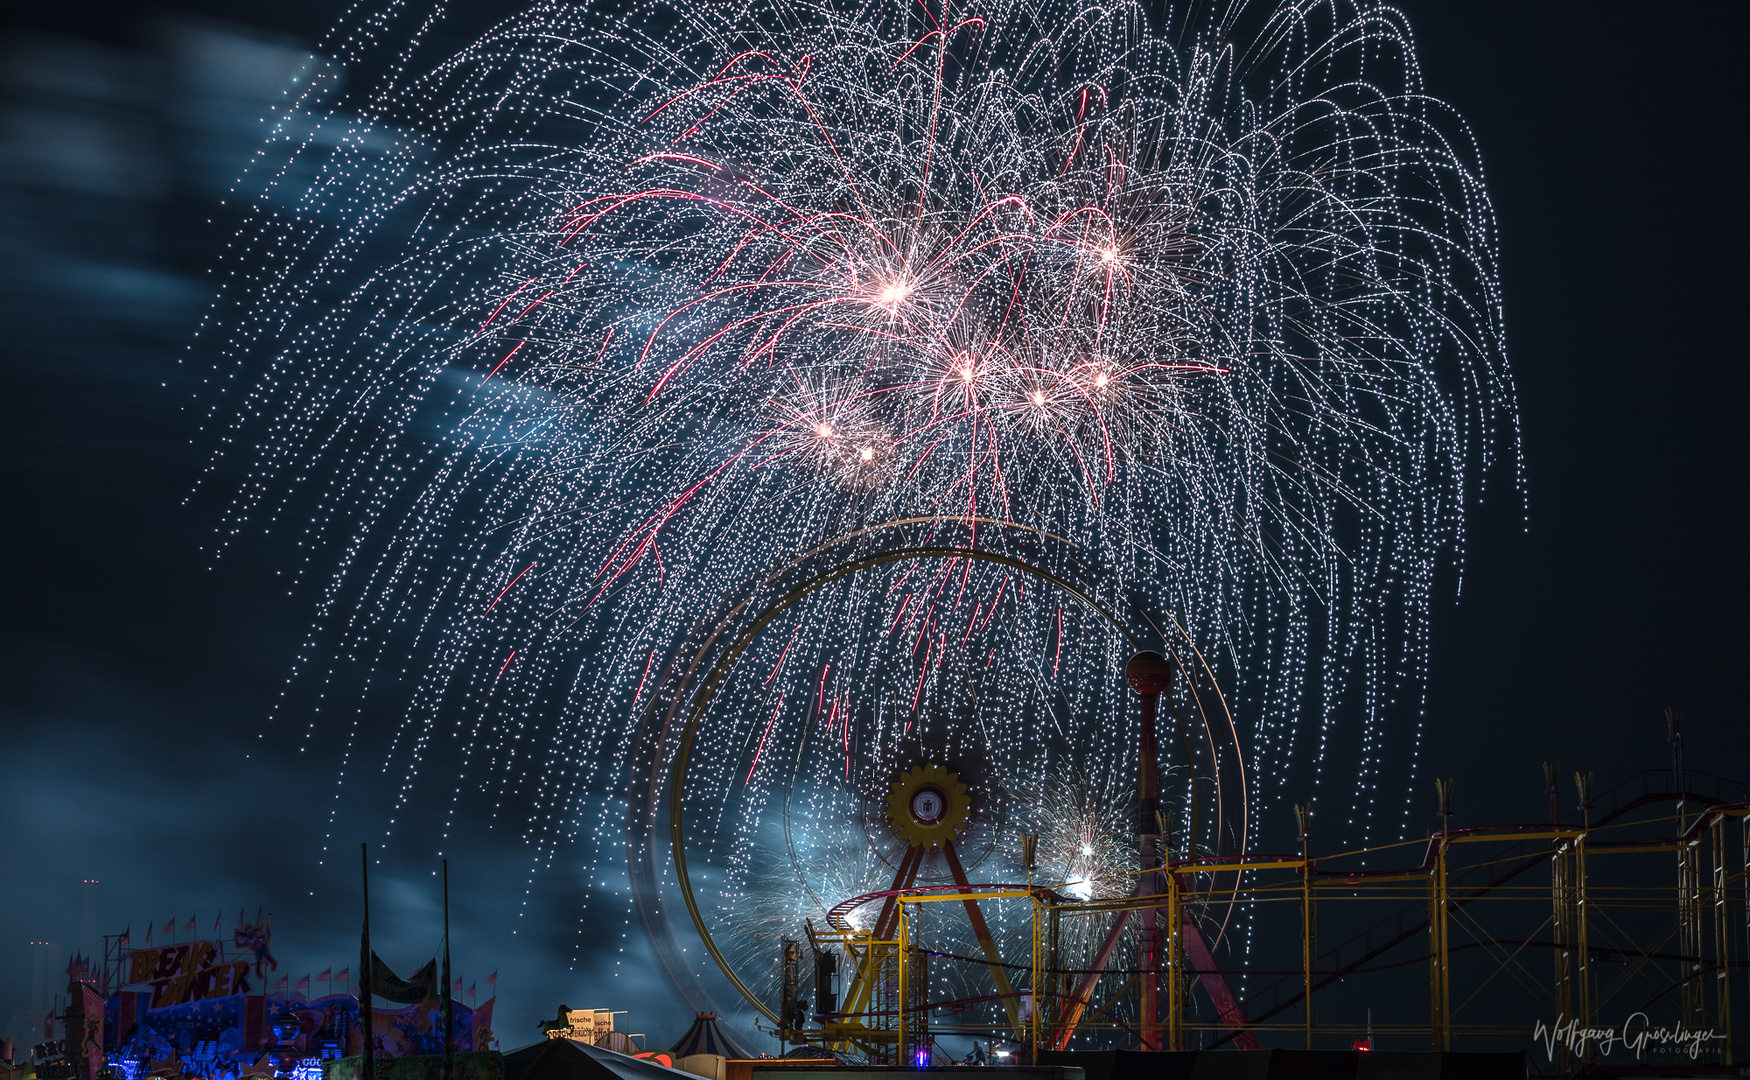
(1582, 954)
(904, 939)
(1302, 819)
(1562, 916)
(448, 1005)
(1722, 941)
(1744, 862)
(1674, 732)
(1690, 940)
(368, 1070)
(1059, 982)
(1306, 947)
(1439, 999)
(1036, 982)
(1689, 900)
(1440, 984)
(1175, 970)
(1582, 951)
(1445, 955)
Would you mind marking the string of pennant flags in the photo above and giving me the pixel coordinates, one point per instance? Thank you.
(170, 926)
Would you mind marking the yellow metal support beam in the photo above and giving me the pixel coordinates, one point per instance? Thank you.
(886, 1018)
(1306, 954)
(1439, 986)
(1174, 965)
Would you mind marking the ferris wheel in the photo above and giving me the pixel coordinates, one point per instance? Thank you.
(817, 766)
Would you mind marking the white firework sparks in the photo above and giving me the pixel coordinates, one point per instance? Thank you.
(591, 323)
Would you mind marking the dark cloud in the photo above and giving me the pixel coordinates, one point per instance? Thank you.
(138, 674)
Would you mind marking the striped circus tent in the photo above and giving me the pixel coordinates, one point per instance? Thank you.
(706, 1037)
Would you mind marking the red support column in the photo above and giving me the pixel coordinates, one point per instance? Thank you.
(1149, 674)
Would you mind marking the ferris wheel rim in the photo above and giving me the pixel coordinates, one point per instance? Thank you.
(732, 653)
(708, 637)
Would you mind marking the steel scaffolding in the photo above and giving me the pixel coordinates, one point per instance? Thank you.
(1621, 943)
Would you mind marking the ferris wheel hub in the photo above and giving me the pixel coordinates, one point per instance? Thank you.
(928, 805)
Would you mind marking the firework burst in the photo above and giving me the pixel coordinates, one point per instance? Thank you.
(601, 317)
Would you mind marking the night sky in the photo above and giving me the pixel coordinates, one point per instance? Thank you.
(136, 674)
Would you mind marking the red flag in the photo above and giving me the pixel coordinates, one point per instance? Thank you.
(216, 919)
(148, 933)
(345, 975)
(327, 975)
(492, 979)
(125, 941)
(239, 916)
(281, 985)
(471, 987)
(303, 983)
(169, 927)
(457, 988)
